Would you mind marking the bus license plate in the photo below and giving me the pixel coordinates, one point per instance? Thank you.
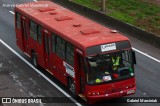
(130, 92)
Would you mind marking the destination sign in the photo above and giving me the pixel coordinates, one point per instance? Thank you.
(108, 47)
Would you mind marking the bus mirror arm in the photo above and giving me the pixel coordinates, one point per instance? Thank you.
(134, 57)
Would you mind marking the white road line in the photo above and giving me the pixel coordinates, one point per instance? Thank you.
(146, 55)
(11, 12)
(55, 85)
(35, 0)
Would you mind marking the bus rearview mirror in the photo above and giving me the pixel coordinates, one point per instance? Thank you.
(134, 57)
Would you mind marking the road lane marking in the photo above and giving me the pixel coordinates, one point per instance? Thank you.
(146, 55)
(51, 82)
(12, 12)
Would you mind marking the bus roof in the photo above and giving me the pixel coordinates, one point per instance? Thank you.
(74, 28)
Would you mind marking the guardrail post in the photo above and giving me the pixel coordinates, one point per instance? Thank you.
(103, 5)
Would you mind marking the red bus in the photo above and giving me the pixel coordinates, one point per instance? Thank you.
(93, 61)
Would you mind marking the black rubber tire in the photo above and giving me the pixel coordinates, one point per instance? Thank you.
(71, 87)
(34, 60)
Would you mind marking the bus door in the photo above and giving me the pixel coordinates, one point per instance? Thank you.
(47, 47)
(82, 73)
(25, 31)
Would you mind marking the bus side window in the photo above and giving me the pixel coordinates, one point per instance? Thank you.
(70, 54)
(39, 33)
(60, 47)
(18, 20)
(33, 30)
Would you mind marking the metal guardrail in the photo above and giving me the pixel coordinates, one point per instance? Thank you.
(112, 22)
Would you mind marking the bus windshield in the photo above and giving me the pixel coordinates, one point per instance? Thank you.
(109, 67)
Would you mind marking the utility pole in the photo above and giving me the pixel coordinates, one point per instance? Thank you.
(103, 5)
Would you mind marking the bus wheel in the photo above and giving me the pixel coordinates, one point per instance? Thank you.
(71, 87)
(34, 60)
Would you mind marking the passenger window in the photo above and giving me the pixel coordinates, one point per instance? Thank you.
(66, 53)
(70, 54)
(18, 21)
(60, 48)
(33, 30)
(39, 34)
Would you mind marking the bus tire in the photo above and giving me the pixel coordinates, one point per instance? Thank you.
(71, 87)
(34, 59)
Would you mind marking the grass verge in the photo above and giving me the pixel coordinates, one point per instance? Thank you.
(136, 12)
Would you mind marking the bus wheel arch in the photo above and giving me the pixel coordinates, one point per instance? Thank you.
(71, 86)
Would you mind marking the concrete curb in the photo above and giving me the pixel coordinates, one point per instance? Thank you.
(112, 22)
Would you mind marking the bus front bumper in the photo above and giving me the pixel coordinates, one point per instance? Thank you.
(100, 97)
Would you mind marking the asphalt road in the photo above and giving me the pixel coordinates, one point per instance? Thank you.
(19, 79)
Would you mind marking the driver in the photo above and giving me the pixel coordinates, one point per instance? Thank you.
(116, 62)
